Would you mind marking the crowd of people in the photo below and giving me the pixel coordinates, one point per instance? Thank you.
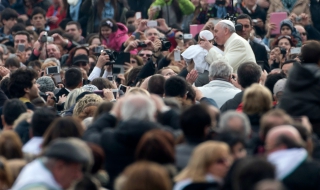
(160, 94)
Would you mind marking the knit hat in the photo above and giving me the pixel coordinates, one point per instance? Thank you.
(287, 22)
(206, 34)
(90, 88)
(46, 84)
(279, 86)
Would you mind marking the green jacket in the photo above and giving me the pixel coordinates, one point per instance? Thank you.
(185, 5)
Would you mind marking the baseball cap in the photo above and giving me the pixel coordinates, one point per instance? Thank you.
(80, 59)
(279, 86)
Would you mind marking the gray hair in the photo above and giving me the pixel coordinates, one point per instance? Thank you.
(5, 49)
(145, 32)
(138, 106)
(225, 117)
(71, 98)
(230, 28)
(52, 59)
(220, 69)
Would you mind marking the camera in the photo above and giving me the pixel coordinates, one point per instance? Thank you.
(45, 38)
(97, 50)
(112, 56)
(142, 44)
(239, 27)
(165, 44)
(283, 51)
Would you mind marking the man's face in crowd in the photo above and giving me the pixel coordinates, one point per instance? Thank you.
(250, 3)
(53, 51)
(219, 33)
(286, 68)
(9, 23)
(38, 21)
(20, 39)
(33, 92)
(131, 20)
(145, 54)
(152, 34)
(302, 32)
(246, 29)
(74, 31)
(67, 173)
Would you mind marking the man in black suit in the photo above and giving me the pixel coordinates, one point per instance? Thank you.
(284, 148)
(72, 80)
(258, 49)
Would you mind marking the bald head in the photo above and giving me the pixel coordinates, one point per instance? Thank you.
(283, 137)
(302, 32)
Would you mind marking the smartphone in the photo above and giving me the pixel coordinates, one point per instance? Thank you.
(123, 57)
(187, 36)
(57, 78)
(137, 35)
(138, 15)
(115, 92)
(97, 50)
(296, 50)
(110, 78)
(123, 88)
(21, 47)
(276, 19)
(53, 70)
(152, 23)
(177, 55)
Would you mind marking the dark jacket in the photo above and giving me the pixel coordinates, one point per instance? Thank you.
(233, 103)
(305, 176)
(184, 151)
(302, 93)
(312, 33)
(118, 143)
(261, 54)
(315, 13)
(140, 6)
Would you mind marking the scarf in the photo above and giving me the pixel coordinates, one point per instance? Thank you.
(74, 9)
(286, 161)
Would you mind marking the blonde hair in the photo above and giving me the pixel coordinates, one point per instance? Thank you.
(15, 166)
(87, 100)
(202, 157)
(48, 64)
(143, 176)
(257, 99)
(175, 69)
(72, 96)
(138, 90)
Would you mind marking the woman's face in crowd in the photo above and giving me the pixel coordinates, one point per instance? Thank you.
(96, 41)
(168, 73)
(221, 167)
(105, 31)
(239, 151)
(284, 43)
(285, 30)
(133, 62)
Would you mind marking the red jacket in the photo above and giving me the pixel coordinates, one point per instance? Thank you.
(60, 16)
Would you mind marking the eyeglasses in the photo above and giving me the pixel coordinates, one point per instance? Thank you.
(286, 36)
(147, 55)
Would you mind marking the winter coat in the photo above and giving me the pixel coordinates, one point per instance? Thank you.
(116, 39)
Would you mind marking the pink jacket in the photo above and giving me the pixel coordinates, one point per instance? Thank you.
(116, 39)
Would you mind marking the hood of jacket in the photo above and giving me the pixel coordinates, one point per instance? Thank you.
(122, 31)
(301, 95)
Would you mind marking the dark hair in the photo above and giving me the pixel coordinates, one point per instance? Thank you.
(104, 107)
(8, 14)
(288, 62)
(57, 30)
(13, 62)
(98, 156)
(194, 120)
(248, 73)
(244, 16)
(75, 23)
(19, 80)
(156, 145)
(191, 95)
(86, 182)
(250, 171)
(17, 28)
(24, 32)
(73, 52)
(63, 128)
(12, 109)
(272, 79)
(91, 37)
(73, 77)
(130, 14)
(41, 120)
(292, 41)
(38, 10)
(232, 138)
(34, 34)
(156, 85)
(4, 86)
(310, 52)
(287, 141)
(35, 63)
(132, 75)
(113, 25)
(175, 86)
(101, 83)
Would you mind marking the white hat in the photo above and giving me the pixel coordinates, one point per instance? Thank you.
(206, 34)
(228, 22)
(279, 86)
